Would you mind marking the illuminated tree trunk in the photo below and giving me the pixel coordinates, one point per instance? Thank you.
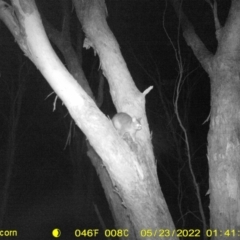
(127, 171)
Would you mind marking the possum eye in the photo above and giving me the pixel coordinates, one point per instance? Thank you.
(137, 123)
(139, 126)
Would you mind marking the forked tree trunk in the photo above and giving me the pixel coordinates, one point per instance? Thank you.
(133, 190)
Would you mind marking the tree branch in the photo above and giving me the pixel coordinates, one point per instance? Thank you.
(62, 41)
(193, 41)
(229, 43)
(218, 26)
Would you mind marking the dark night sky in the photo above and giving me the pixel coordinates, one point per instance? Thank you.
(42, 191)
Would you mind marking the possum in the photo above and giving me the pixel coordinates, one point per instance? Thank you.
(126, 125)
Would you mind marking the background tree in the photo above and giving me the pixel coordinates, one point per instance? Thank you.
(223, 137)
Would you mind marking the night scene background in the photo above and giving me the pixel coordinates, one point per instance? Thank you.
(43, 155)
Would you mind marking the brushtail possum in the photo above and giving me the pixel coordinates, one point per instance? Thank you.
(126, 125)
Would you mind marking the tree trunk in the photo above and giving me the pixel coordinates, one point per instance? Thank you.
(223, 149)
(223, 137)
